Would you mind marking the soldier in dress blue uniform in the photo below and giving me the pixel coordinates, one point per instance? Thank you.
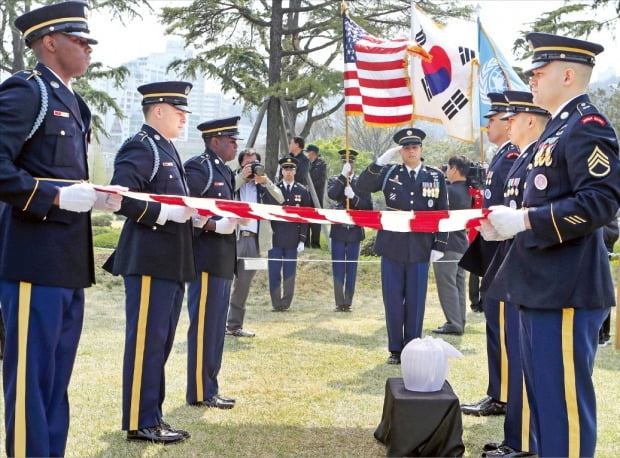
(216, 258)
(478, 256)
(46, 254)
(287, 240)
(346, 238)
(557, 270)
(155, 257)
(526, 122)
(405, 256)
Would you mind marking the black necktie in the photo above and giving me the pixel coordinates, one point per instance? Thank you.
(412, 174)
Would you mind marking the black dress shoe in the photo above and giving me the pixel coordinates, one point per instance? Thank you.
(218, 402)
(506, 451)
(448, 329)
(239, 333)
(156, 434)
(342, 308)
(486, 406)
(491, 446)
(477, 308)
(182, 432)
(394, 358)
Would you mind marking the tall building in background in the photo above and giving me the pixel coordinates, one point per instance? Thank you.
(206, 101)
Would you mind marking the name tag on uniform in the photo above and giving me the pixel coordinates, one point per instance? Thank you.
(62, 114)
(167, 164)
(218, 183)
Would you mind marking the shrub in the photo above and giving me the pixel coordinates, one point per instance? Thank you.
(102, 219)
(107, 239)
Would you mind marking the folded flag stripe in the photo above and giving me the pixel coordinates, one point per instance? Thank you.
(397, 221)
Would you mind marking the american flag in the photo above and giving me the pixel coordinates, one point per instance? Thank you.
(376, 80)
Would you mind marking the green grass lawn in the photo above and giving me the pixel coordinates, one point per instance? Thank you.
(311, 383)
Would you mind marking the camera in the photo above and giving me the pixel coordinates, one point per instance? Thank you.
(257, 169)
(476, 176)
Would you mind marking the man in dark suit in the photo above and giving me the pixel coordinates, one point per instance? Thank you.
(215, 253)
(155, 257)
(251, 185)
(405, 256)
(557, 270)
(46, 253)
(449, 276)
(318, 175)
(296, 150)
(287, 239)
(346, 238)
(479, 254)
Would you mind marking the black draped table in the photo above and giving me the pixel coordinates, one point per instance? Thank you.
(420, 424)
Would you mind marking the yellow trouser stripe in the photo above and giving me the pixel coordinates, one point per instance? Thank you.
(200, 332)
(136, 384)
(25, 292)
(503, 368)
(570, 388)
(525, 418)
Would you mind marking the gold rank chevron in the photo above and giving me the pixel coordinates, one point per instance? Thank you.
(574, 219)
(598, 158)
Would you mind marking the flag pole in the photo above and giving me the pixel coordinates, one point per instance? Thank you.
(480, 128)
(346, 127)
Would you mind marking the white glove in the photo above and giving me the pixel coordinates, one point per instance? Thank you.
(346, 169)
(436, 255)
(107, 201)
(78, 198)
(507, 221)
(175, 213)
(226, 225)
(488, 232)
(387, 156)
(199, 221)
(300, 247)
(348, 191)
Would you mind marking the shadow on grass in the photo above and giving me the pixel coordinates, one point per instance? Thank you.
(259, 439)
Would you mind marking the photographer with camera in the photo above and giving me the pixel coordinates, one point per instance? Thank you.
(251, 184)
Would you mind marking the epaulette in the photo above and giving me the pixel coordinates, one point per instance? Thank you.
(433, 170)
(586, 108)
(589, 113)
(29, 74)
(141, 136)
(204, 157)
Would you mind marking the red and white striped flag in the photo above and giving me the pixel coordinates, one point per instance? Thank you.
(376, 79)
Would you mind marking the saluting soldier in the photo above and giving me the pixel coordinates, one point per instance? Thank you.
(46, 253)
(526, 121)
(557, 270)
(155, 257)
(287, 239)
(479, 254)
(216, 258)
(405, 256)
(346, 238)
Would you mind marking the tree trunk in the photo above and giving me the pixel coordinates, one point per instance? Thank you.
(274, 116)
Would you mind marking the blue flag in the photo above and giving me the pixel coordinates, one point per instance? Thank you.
(496, 74)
